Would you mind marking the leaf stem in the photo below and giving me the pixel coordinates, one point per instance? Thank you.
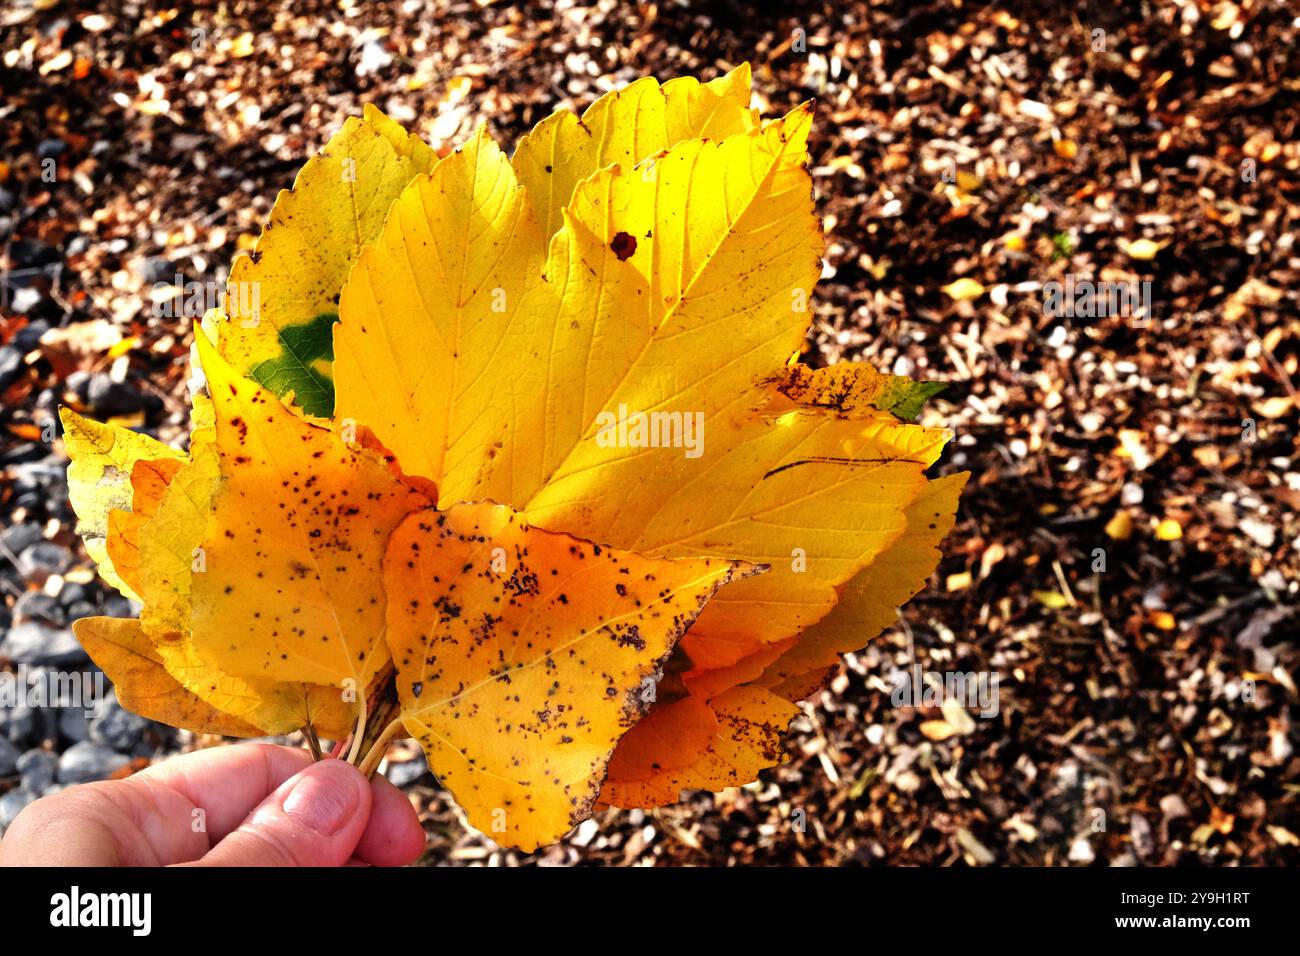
(370, 763)
(313, 742)
(358, 734)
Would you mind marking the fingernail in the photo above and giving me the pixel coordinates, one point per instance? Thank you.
(324, 798)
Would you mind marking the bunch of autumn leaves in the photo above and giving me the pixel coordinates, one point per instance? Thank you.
(394, 478)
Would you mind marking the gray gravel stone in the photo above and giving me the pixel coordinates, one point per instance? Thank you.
(20, 537)
(9, 755)
(407, 772)
(72, 593)
(17, 723)
(109, 398)
(74, 725)
(38, 768)
(37, 644)
(11, 366)
(29, 336)
(45, 558)
(87, 761)
(119, 728)
(47, 725)
(39, 606)
(85, 609)
(155, 269)
(116, 606)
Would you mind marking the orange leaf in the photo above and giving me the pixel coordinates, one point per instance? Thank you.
(524, 655)
(750, 724)
(149, 480)
(672, 736)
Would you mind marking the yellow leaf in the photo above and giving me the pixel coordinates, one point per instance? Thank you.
(705, 270)
(671, 737)
(582, 355)
(1142, 248)
(787, 495)
(168, 542)
(596, 335)
(281, 300)
(937, 730)
(123, 652)
(804, 686)
(1052, 599)
(1169, 530)
(711, 675)
(1120, 527)
(625, 127)
(1163, 620)
(99, 480)
(124, 346)
(169, 558)
(963, 289)
(524, 655)
(293, 587)
(428, 309)
(422, 156)
(869, 601)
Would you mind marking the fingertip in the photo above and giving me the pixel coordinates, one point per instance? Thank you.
(315, 818)
(393, 836)
(328, 797)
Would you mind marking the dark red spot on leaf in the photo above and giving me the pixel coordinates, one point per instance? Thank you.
(624, 245)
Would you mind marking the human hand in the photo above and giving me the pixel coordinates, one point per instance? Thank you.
(261, 805)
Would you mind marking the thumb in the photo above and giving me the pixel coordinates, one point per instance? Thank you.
(315, 818)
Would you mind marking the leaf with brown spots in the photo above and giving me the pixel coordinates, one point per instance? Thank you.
(597, 334)
(293, 588)
(524, 655)
(169, 560)
(675, 284)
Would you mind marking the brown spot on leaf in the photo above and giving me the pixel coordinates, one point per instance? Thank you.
(624, 245)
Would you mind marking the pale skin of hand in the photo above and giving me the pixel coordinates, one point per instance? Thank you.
(263, 805)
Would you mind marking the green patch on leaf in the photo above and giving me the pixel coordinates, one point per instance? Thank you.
(306, 348)
(904, 398)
